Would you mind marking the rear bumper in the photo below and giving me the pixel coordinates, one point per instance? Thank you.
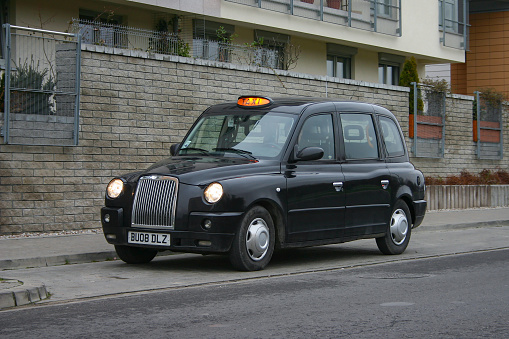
(420, 211)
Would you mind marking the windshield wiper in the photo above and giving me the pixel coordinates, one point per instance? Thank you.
(201, 150)
(242, 152)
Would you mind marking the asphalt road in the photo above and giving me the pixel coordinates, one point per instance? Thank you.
(451, 296)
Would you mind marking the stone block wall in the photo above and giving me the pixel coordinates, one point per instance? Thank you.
(135, 105)
(460, 149)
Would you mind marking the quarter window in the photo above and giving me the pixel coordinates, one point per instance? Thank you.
(392, 138)
(359, 136)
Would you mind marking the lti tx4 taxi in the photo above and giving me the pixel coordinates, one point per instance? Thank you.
(260, 174)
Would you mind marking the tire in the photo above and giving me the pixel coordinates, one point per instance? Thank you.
(135, 255)
(253, 244)
(398, 232)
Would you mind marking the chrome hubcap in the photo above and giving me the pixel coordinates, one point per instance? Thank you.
(399, 227)
(257, 239)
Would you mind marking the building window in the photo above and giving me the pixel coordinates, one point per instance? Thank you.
(451, 15)
(339, 61)
(206, 42)
(100, 28)
(385, 7)
(389, 66)
(339, 67)
(271, 52)
(388, 74)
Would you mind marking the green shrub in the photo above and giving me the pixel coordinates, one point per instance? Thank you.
(408, 75)
(485, 177)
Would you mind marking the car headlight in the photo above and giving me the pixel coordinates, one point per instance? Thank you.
(115, 188)
(213, 192)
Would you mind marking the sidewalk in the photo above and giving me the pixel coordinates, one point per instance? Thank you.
(50, 250)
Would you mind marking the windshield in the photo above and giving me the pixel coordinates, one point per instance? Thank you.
(257, 135)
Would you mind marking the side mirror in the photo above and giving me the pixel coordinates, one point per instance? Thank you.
(309, 154)
(174, 148)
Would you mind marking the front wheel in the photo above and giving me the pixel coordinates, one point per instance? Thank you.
(398, 232)
(253, 244)
(135, 255)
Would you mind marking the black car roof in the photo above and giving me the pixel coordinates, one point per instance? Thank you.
(297, 105)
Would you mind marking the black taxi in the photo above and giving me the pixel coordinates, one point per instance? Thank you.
(260, 174)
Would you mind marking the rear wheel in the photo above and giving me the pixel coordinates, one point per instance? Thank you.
(398, 232)
(253, 245)
(135, 255)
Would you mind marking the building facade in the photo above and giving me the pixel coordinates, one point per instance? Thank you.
(364, 40)
(486, 65)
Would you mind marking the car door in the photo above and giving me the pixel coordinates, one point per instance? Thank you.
(366, 177)
(315, 195)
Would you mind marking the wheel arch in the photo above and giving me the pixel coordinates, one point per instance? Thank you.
(407, 199)
(277, 215)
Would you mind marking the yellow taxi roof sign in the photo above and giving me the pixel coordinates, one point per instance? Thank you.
(253, 101)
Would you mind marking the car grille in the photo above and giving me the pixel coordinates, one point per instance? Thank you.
(154, 202)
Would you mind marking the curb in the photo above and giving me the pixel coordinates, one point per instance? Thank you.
(478, 224)
(79, 258)
(25, 295)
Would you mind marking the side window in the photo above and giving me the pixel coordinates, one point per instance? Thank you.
(318, 131)
(392, 138)
(359, 136)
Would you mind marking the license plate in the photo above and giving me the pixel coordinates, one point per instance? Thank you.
(147, 238)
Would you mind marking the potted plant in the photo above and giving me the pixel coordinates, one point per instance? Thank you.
(336, 4)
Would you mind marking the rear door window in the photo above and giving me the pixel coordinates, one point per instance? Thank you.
(359, 136)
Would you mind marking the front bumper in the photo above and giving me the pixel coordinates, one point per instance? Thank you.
(194, 239)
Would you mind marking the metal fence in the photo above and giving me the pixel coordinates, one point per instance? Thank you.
(118, 36)
(381, 16)
(488, 130)
(41, 101)
(428, 121)
(278, 56)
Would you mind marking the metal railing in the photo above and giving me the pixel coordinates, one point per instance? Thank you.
(42, 85)
(118, 36)
(381, 16)
(454, 23)
(428, 122)
(277, 56)
(488, 128)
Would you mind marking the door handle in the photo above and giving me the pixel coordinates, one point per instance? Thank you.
(338, 186)
(385, 184)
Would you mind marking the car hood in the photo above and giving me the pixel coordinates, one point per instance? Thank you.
(195, 170)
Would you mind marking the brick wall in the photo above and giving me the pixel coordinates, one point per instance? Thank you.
(134, 106)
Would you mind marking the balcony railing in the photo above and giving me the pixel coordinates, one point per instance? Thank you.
(381, 16)
(277, 56)
(454, 23)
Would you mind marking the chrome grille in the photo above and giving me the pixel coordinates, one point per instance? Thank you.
(154, 202)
